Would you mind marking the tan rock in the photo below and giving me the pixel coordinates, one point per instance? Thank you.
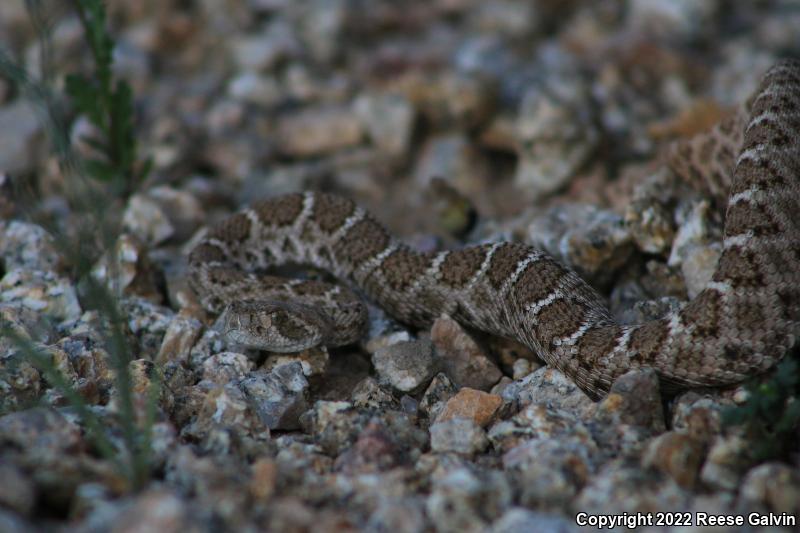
(479, 406)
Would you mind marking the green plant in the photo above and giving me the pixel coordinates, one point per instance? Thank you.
(107, 104)
(772, 411)
(93, 227)
(133, 459)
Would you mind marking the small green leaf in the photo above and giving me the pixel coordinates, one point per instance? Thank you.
(100, 170)
(86, 98)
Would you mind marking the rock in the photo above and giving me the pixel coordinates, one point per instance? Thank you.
(224, 367)
(148, 323)
(555, 134)
(476, 405)
(11, 522)
(593, 241)
(184, 211)
(630, 413)
(676, 454)
(319, 131)
(382, 341)
(263, 51)
(403, 516)
(279, 397)
(620, 487)
(22, 140)
(459, 435)
(521, 520)
(674, 19)
(209, 343)
(126, 269)
(436, 395)
(697, 415)
(28, 246)
(252, 88)
(696, 249)
(26, 323)
(369, 393)
(522, 367)
(181, 335)
(406, 366)
(550, 387)
(540, 421)
(634, 399)
(225, 410)
(455, 158)
(155, 510)
(40, 432)
(263, 480)
(145, 218)
(41, 291)
(450, 100)
(461, 358)
(727, 462)
(21, 383)
(464, 500)
(775, 485)
(650, 224)
(550, 471)
(17, 491)
(388, 120)
(507, 18)
(374, 451)
(314, 361)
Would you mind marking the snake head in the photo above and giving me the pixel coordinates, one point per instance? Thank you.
(274, 326)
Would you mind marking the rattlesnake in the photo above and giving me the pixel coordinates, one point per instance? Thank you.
(741, 324)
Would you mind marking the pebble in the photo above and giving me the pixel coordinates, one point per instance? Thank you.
(461, 358)
(453, 157)
(146, 219)
(42, 291)
(593, 241)
(263, 51)
(776, 485)
(315, 361)
(224, 367)
(252, 88)
(439, 391)
(388, 120)
(22, 139)
(476, 405)
(127, 269)
(621, 487)
(181, 335)
(28, 246)
(316, 132)
(459, 435)
(677, 455)
(522, 520)
(727, 462)
(554, 134)
(467, 500)
(17, 490)
(406, 366)
(279, 396)
(550, 387)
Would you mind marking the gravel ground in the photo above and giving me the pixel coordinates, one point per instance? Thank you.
(540, 121)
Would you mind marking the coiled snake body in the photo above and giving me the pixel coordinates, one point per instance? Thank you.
(741, 324)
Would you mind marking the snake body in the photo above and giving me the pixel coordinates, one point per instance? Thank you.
(741, 324)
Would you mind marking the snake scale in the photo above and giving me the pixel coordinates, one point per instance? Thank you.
(741, 324)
